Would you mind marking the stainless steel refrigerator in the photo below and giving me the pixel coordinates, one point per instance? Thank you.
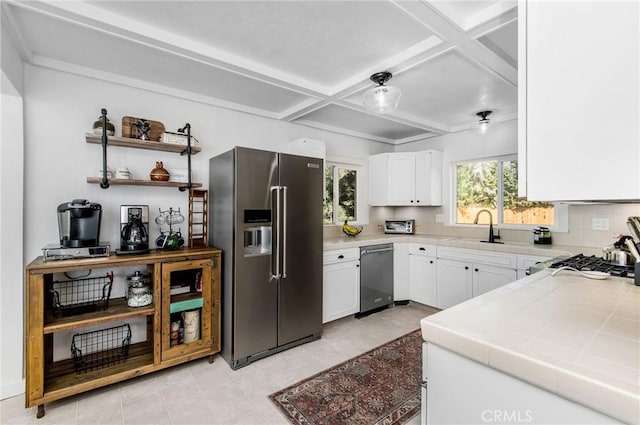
(266, 216)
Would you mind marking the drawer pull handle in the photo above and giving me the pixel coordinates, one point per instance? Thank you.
(422, 248)
(340, 256)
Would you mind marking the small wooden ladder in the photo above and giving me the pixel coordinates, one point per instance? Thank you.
(198, 202)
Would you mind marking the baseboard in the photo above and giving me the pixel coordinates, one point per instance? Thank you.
(369, 312)
(11, 389)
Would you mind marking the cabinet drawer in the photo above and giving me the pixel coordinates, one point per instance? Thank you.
(422, 249)
(500, 259)
(339, 255)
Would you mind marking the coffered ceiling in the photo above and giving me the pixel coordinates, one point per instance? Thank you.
(305, 62)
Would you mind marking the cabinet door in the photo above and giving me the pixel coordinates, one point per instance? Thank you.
(582, 99)
(402, 180)
(428, 178)
(401, 272)
(341, 290)
(188, 315)
(379, 179)
(422, 279)
(454, 283)
(488, 278)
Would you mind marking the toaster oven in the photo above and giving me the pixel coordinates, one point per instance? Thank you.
(403, 227)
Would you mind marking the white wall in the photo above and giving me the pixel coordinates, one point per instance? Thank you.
(59, 110)
(12, 66)
(11, 217)
(11, 245)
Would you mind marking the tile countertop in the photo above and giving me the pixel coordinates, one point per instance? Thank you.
(578, 338)
(509, 247)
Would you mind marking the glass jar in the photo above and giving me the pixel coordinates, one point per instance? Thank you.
(139, 292)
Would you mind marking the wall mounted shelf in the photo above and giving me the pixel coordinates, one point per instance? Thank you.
(142, 144)
(126, 142)
(132, 182)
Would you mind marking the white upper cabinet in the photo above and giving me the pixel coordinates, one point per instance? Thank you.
(405, 178)
(579, 100)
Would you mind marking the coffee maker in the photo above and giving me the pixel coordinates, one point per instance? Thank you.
(134, 229)
(79, 223)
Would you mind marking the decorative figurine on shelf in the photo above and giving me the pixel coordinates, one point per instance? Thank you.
(159, 174)
(97, 127)
(143, 128)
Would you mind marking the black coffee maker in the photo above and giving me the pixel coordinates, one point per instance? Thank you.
(79, 223)
(134, 229)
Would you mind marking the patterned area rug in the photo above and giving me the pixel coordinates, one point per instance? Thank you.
(381, 386)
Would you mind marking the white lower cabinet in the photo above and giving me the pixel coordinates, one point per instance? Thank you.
(438, 276)
(487, 278)
(422, 274)
(401, 271)
(341, 284)
(464, 273)
(454, 283)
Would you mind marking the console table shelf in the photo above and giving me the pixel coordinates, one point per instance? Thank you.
(147, 349)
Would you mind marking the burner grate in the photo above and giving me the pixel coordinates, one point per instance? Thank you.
(583, 262)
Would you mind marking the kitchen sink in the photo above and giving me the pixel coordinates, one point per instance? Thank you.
(501, 242)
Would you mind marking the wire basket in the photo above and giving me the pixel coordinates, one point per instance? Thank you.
(71, 297)
(99, 349)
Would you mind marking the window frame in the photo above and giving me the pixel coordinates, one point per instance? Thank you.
(362, 204)
(561, 210)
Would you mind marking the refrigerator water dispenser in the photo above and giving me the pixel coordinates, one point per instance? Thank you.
(257, 241)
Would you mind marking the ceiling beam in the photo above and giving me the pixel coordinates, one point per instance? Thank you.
(431, 18)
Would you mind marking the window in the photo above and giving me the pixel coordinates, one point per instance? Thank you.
(340, 194)
(492, 184)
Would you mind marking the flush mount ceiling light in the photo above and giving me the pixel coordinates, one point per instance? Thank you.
(381, 99)
(484, 121)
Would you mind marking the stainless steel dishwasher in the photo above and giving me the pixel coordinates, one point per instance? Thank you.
(376, 278)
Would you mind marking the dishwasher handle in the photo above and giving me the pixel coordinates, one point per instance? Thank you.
(371, 251)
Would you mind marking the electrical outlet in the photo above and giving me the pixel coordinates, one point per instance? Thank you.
(599, 224)
(439, 218)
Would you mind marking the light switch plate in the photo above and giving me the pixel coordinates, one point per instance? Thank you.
(599, 224)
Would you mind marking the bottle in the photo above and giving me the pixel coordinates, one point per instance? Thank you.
(174, 337)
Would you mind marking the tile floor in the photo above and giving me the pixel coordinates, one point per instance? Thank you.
(203, 393)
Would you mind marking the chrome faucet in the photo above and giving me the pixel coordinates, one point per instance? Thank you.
(492, 237)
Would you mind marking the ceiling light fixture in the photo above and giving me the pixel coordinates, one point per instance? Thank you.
(484, 121)
(381, 99)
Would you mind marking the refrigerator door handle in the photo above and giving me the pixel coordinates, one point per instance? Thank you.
(284, 232)
(275, 252)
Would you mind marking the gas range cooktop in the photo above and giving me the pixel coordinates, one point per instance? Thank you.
(582, 262)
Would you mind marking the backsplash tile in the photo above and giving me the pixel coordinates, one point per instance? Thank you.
(580, 222)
